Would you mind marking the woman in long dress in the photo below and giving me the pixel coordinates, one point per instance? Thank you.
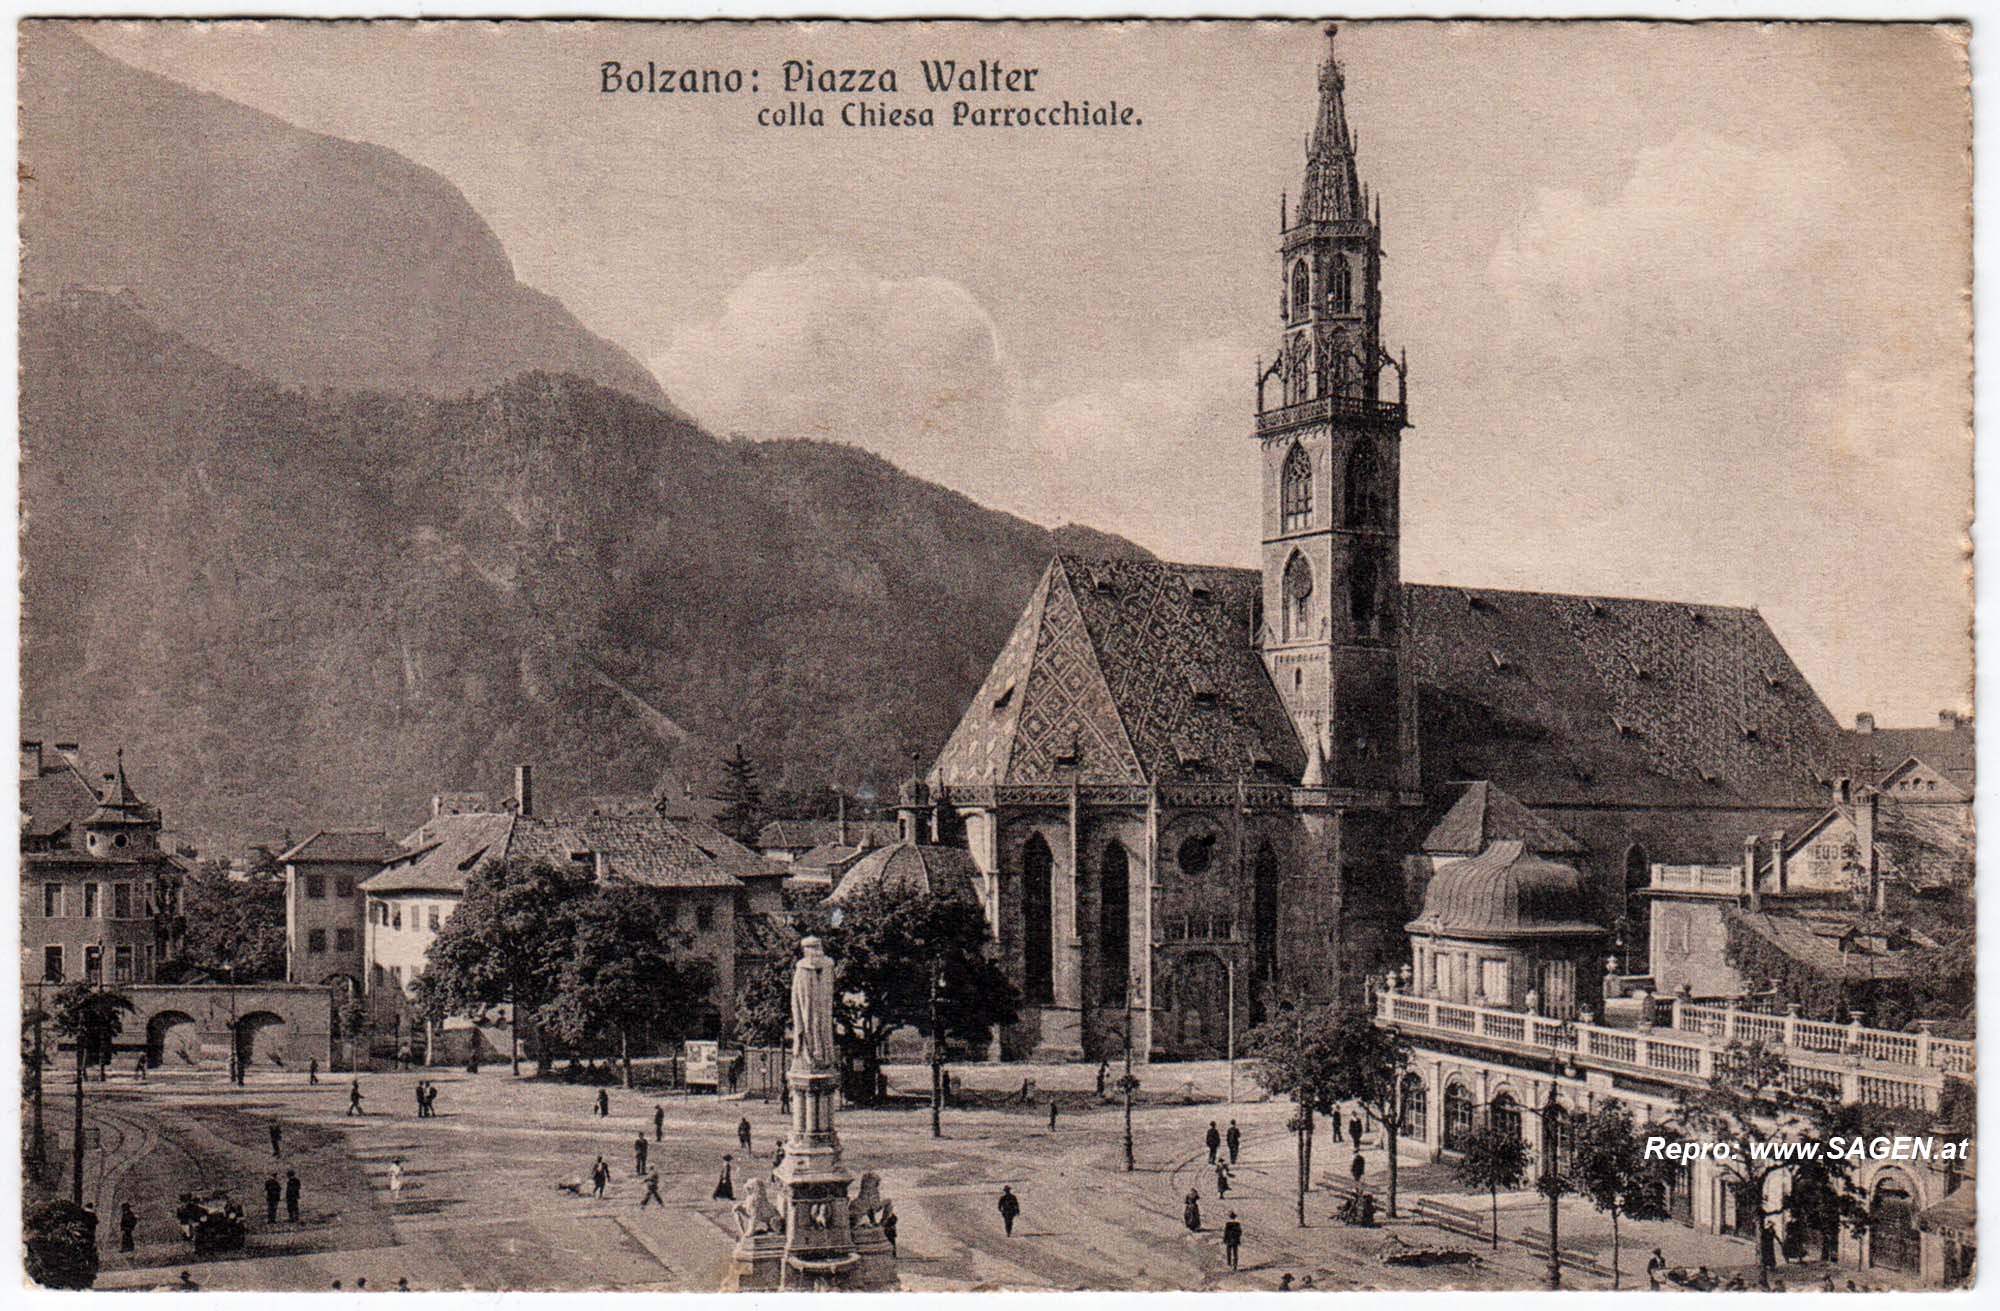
(725, 1187)
(1191, 1211)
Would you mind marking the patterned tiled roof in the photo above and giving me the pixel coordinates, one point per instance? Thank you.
(908, 869)
(1483, 815)
(1131, 670)
(344, 846)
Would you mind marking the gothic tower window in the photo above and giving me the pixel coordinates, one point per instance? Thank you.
(1362, 488)
(1339, 286)
(1264, 912)
(1301, 290)
(1363, 582)
(1297, 494)
(1038, 970)
(1114, 923)
(1298, 597)
(1298, 372)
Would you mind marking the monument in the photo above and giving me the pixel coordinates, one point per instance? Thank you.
(801, 1232)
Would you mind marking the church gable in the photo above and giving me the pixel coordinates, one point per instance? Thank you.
(1068, 726)
(981, 747)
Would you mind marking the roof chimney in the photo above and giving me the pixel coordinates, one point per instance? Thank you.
(1947, 720)
(524, 791)
(1864, 845)
(1750, 872)
(1779, 875)
(71, 753)
(840, 838)
(1864, 723)
(31, 758)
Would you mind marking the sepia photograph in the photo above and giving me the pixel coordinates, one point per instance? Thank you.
(946, 656)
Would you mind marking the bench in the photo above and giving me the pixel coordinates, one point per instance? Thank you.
(1450, 1218)
(1537, 1242)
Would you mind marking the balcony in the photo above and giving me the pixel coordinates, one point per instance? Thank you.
(1846, 1061)
(1325, 409)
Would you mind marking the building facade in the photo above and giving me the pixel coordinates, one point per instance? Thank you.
(325, 911)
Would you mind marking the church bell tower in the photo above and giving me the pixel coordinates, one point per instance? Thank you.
(1330, 440)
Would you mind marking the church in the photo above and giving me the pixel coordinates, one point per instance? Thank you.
(1191, 793)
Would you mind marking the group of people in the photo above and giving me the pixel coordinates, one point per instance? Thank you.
(427, 1094)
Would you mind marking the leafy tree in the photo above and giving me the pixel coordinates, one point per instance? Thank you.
(91, 1018)
(1371, 1063)
(626, 974)
(1299, 1055)
(1494, 1158)
(742, 796)
(887, 947)
(507, 943)
(763, 1010)
(61, 1251)
(1610, 1166)
(232, 926)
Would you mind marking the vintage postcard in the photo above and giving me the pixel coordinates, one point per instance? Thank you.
(1025, 656)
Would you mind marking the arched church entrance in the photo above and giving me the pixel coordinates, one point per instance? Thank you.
(1201, 1001)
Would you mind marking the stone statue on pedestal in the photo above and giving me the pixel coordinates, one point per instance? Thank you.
(812, 1008)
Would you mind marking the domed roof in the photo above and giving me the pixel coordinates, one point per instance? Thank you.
(909, 869)
(1506, 892)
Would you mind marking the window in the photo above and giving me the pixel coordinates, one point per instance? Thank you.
(93, 964)
(1363, 503)
(316, 942)
(1506, 1116)
(52, 964)
(343, 939)
(90, 901)
(1197, 854)
(1363, 584)
(1458, 1117)
(396, 918)
(343, 886)
(1296, 491)
(121, 963)
(1302, 290)
(1416, 1106)
(152, 904)
(1298, 589)
(431, 918)
(1037, 935)
(121, 901)
(1114, 923)
(1493, 982)
(1264, 913)
(52, 901)
(1339, 286)
(396, 977)
(704, 918)
(377, 976)
(316, 886)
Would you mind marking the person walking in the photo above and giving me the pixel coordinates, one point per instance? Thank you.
(277, 1140)
(1656, 1266)
(1214, 1140)
(1285, 1282)
(653, 1192)
(354, 1099)
(430, 1100)
(725, 1183)
(395, 1181)
(639, 1154)
(139, 1068)
(1232, 1239)
(603, 1104)
(600, 1176)
(273, 1193)
(292, 1190)
(743, 1132)
(659, 1123)
(312, 1073)
(1357, 1167)
(777, 1156)
(889, 1231)
(1191, 1211)
(1052, 1115)
(1235, 1140)
(1010, 1207)
(128, 1224)
(1221, 1179)
(1354, 1131)
(1103, 1073)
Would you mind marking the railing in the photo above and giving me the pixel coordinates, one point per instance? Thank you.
(1844, 1061)
(1699, 878)
(1324, 408)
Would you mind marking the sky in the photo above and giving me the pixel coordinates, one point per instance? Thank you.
(1686, 306)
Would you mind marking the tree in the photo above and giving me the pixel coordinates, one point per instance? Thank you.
(232, 925)
(887, 947)
(1609, 1165)
(1371, 1064)
(507, 943)
(1494, 1158)
(1298, 1054)
(61, 1250)
(742, 796)
(91, 1018)
(626, 974)
(763, 1010)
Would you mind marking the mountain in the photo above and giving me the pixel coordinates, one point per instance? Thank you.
(301, 607)
(312, 260)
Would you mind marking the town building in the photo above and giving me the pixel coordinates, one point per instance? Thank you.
(1189, 790)
(99, 895)
(722, 894)
(789, 840)
(325, 911)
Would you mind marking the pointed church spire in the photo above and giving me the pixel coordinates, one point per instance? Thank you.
(1332, 191)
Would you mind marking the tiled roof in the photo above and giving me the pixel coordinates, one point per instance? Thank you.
(344, 846)
(1483, 815)
(441, 855)
(1139, 670)
(1949, 750)
(1815, 942)
(1505, 892)
(1928, 845)
(908, 869)
(57, 798)
(801, 834)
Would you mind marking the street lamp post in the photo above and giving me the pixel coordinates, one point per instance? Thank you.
(1128, 1085)
(1229, 977)
(937, 1055)
(235, 1042)
(1551, 1121)
(38, 1157)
